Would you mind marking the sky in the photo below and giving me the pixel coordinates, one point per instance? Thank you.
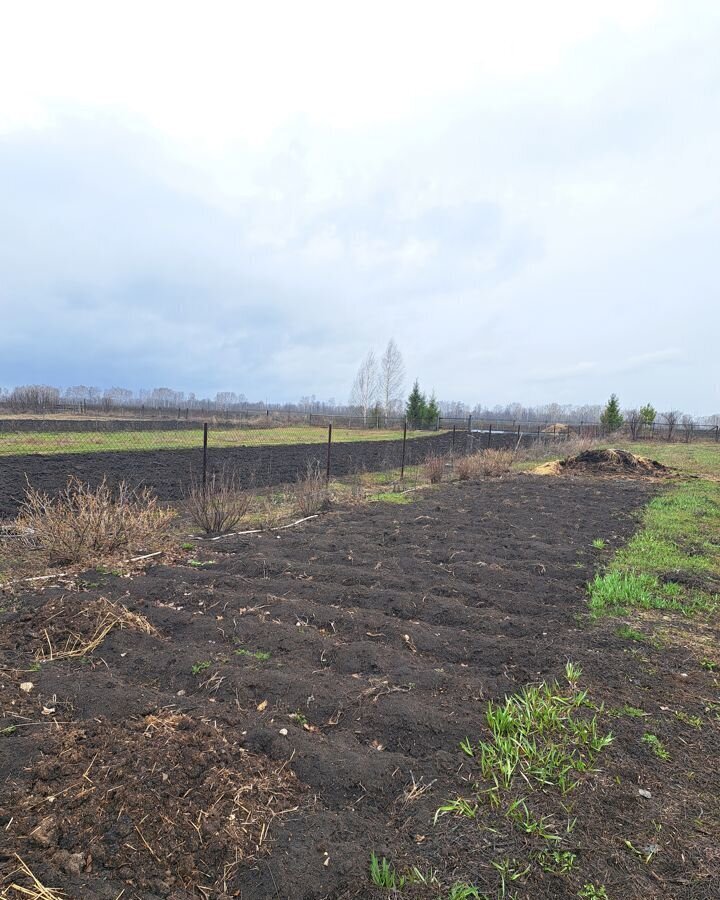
(250, 196)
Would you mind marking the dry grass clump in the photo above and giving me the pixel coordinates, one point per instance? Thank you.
(484, 462)
(311, 492)
(218, 505)
(86, 630)
(465, 467)
(434, 467)
(83, 523)
(31, 888)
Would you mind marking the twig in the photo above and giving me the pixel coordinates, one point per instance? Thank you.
(219, 537)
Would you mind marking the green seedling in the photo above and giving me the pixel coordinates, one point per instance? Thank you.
(656, 745)
(383, 875)
(557, 862)
(261, 655)
(197, 668)
(593, 892)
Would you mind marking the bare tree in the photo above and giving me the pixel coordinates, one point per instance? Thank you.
(365, 388)
(392, 377)
(688, 425)
(671, 418)
(634, 422)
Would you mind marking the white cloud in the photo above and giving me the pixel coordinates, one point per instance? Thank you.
(510, 189)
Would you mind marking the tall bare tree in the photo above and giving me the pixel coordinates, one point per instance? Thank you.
(366, 386)
(671, 418)
(392, 377)
(634, 422)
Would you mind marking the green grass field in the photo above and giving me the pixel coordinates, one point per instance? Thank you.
(673, 561)
(23, 443)
(694, 459)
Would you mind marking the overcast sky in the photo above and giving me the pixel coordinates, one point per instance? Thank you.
(248, 196)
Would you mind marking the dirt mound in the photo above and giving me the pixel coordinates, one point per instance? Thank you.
(604, 462)
(557, 428)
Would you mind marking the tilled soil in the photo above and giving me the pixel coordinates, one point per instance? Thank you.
(299, 699)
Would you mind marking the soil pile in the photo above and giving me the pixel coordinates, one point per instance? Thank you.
(605, 462)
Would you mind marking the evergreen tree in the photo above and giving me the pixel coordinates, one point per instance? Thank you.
(647, 414)
(432, 411)
(416, 408)
(611, 417)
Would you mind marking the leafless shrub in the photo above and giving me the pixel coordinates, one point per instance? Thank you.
(484, 462)
(82, 523)
(634, 422)
(434, 467)
(218, 505)
(671, 418)
(465, 467)
(311, 494)
(494, 462)
(688, 425)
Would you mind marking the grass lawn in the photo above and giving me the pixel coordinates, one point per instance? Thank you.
(673, 562)
(21, 443)
(695, 459)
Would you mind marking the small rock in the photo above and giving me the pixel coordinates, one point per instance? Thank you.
(644, 793)
(180, 694)
(27, 686)
(73, 863)
(283, 731)
(46, 833)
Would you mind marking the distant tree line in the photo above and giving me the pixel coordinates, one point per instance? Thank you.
(378, 391)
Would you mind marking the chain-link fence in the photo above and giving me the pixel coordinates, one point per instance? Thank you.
(169, 456)
(263, 450)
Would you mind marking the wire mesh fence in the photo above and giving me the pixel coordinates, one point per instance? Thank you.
(263, 450)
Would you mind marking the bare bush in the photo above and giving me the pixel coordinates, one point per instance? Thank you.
(311, 493)
(218, 505)
(671, 418)
(465, 467)
(484, 462)
(688, 426)
(495, 462)
(634, 422)
(83, 524)
(434, 467)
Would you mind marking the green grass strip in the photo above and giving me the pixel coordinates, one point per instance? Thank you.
(665, 564)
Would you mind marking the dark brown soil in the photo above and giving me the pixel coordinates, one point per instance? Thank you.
(263, 737)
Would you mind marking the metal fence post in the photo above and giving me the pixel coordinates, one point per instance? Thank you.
(489, 434)
(453, 439)
(469, 424)
(327, 471)
(205, 432)
(402, 463)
